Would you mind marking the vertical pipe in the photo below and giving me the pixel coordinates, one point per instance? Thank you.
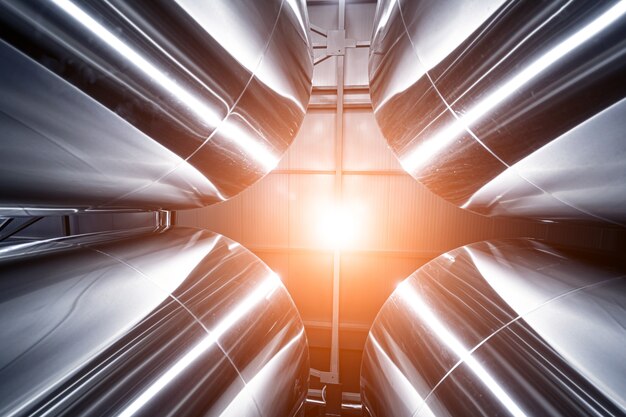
(334, 349)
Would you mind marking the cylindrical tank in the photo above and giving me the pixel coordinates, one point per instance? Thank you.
(512, 108)
(177, 322)
(501, 328)
(146, 105)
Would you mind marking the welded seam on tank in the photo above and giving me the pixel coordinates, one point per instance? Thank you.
(511, 51)
(425, 69)
(505, 326)
(167, 54)
(220, 124)
(449, 108)
(463, 125)
(512, 167)
(195, 318)
(441, 97)
(467, 204)
(122, 261)
(173, 297)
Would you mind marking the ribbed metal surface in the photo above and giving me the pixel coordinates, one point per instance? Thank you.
(137, 105)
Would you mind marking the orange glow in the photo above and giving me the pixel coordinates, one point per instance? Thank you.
(339, 226)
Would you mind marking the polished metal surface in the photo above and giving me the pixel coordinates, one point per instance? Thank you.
(508, 328)
(513, 108)
(174, 322)
(146, 105)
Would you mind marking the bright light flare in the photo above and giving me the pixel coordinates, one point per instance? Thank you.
(339, 226)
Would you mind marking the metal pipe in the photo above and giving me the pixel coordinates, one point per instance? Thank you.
(334, 349)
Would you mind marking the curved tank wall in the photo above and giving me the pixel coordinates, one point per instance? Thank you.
(174, 322)
(507, 328)
(504, 107)
(144, 105)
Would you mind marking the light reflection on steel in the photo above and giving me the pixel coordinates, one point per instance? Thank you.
(507, 108)
(511, 327)
(180, 321)
(141, 105)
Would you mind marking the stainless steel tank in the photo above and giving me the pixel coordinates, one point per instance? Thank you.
(177, 322)
(146, 105)
(512, 108)
(501, 328)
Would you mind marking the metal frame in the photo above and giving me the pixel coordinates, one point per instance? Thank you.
(10, 226)
(383, 173)
(355, 97)
(13, 225)
(335, 45)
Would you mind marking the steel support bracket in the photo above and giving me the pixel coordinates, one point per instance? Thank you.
(325, 377)
(336, 43)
